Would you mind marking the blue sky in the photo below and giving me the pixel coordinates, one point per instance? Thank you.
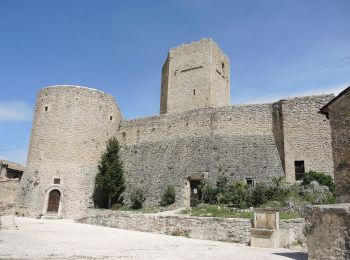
(277, 48)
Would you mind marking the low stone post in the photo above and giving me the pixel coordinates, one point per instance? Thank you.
(265, 230)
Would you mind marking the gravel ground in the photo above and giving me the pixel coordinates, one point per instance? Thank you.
(64, 239)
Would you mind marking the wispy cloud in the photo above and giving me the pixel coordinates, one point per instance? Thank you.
(14, 111)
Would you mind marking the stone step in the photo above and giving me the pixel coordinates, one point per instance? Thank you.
(50, 216)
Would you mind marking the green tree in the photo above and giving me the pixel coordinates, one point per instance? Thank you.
(110, 178)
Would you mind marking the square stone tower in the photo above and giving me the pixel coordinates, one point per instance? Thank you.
(195, 75)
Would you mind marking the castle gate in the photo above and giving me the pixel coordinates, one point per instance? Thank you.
(54, 201)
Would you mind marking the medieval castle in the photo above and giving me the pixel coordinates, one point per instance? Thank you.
(198, 135)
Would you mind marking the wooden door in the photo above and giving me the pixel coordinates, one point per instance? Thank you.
(54, 201)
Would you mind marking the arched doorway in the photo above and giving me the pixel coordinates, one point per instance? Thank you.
(54, 201)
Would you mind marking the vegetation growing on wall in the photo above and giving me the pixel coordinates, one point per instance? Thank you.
(275, 194)
(110, 179)
(321, 178)
(168, 197)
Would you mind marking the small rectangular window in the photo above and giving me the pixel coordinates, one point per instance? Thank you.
(299, 170)
(56, 181)
(46, 108)
(250, 182)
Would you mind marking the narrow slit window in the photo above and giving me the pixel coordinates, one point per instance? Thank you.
(194, 92)
(110, 118)
(46, 108)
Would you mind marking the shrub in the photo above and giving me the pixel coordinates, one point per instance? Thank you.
(321, 178)
(137, 198)
(194, 201)
(261, 194)
(168, 197)
(237, 195)
(221, 183)
(209, 193)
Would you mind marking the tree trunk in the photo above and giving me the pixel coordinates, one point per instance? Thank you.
(109, 201)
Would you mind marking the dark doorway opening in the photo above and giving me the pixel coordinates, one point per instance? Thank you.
(54, 201)
(299, 170)
(196, 189)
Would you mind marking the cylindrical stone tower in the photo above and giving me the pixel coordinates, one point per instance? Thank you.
(70, 129)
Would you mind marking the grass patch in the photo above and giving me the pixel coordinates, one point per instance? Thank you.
(288, 215)
(220, 211)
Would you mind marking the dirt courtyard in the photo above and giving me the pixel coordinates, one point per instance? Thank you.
(64, 239)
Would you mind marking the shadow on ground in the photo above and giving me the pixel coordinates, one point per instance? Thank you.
(294, 255)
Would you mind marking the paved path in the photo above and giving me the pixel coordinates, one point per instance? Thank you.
(64, 239)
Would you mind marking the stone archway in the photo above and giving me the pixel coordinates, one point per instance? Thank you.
(54, 201)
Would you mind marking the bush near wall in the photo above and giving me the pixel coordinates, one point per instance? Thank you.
(168, 197)
(321, 178)
(278, 193)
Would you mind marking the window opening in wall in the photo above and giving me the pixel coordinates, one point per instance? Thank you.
(299, 170)
(110, 118)
(222, 65)
(46, 108)
(56, 181)
(194, 92)
(250, 182)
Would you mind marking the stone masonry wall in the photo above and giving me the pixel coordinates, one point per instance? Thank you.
(8, 191)
(328, 232)
(248, 141)
(306, 135)
(167, 150)
(235, 230)
(339, 114)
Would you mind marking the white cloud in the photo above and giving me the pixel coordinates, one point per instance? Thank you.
(14, 111)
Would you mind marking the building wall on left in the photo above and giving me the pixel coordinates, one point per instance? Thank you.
(70, 128)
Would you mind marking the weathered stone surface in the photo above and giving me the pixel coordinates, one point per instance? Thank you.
(328, 232)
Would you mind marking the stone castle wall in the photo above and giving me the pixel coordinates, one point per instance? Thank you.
(248, 141)
(70, 129)
(235, 141)
(306, 135)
